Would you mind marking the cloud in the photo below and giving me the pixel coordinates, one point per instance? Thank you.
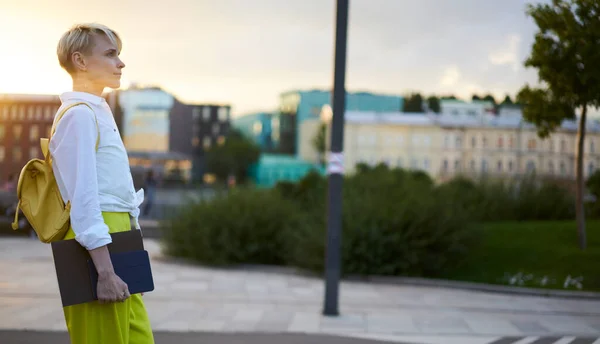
(508, 55)
(451, 77)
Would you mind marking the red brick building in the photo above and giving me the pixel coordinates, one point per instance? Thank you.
(24, 119)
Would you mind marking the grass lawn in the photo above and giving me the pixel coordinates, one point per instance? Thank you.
(534, 254)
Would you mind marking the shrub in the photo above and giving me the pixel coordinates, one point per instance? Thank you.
(511, 200)
(244, 226)
(393, 223)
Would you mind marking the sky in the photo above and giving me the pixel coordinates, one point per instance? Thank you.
(247, 52)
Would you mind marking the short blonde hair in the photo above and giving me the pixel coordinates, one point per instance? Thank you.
(79, 38)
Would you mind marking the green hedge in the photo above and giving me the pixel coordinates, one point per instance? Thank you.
(245, 226)
(394, 222)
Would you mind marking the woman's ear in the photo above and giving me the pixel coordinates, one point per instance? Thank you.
(79, 61)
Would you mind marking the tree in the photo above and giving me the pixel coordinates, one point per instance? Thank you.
(414, 103)
(565, 53)
(475, 98)
(449, 97)
(490, 98)
(433, 103)
(319, 142)
(233, 157)
(507, 101)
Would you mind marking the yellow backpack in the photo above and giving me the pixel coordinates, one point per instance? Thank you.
(39, 196)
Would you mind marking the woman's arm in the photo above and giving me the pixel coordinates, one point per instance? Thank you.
(73, 149)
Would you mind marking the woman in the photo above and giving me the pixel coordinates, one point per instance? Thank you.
(98, 183)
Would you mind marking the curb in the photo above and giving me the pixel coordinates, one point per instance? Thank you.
(483, 287)
(405, 281)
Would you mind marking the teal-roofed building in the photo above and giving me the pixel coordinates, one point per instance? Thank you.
(260, 127)
(298, 106)
(273, 168)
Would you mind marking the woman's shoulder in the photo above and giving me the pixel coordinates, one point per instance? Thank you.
(76, 114)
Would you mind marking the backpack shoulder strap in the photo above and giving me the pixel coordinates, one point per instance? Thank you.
(45, 143)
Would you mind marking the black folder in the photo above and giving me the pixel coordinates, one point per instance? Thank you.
(77, 276)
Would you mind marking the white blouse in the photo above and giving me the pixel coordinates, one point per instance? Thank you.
(93, 181)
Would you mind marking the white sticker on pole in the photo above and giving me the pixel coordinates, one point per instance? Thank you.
(336, 163)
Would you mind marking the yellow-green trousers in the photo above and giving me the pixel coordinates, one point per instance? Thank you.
(112, 323)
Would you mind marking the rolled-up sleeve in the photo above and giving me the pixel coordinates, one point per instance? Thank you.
(73, 149)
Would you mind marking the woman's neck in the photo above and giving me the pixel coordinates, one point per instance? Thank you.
(80, 85)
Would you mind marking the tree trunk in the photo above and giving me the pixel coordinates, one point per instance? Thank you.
(579, 209)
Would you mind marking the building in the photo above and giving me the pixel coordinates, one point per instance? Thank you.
(145, 119)
(194, 129)
(457, 107)
(274, 168)
(445, 145)
(24, 119)
(262, 127)
(295, 107)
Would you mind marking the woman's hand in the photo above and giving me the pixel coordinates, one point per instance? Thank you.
(111, 287)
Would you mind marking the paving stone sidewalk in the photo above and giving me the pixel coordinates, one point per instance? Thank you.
(199, 299)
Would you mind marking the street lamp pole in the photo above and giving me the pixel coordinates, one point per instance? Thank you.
(335, 167)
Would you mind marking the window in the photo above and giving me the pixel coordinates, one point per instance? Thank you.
(13, 112)
(458, 142)
(221, 140)
(17, 154)
(17, 130)
(33, 153)
(34, 132)
(499, 166)
(399, 162)
(550, 167)
(426, 164)
(551, 145)
(447, 141)
(531, 144)
(457, 165)
(510, 166)
(400, 140)
(196, 113)
(223, 114)
(500, 142)
(530, 166)
(445, 166)
(30, 112)
(473, 165)
(592, 147)
(473, 141)
(415, 140)
(511, 141)
(2, 153)
(484, 165)
(591, 169)
(196, 141)
(21, 113)
(206, 113)
(563, 168)
(48, 113)
(414, 163)
(4, 112)
(207, 142)
(484, 142)
(38, 113)
(2, 131)
(215, 128)
(257, 127)
(563, 145)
